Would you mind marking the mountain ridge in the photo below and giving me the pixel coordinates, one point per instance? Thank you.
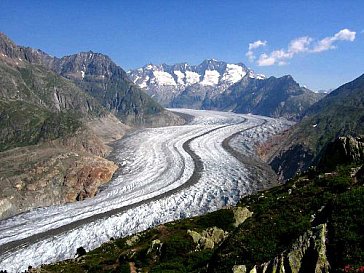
(275, 97)
(166, 83)
(338, 114)
(217, 85)
(105, 81)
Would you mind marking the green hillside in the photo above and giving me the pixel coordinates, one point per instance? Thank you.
(338, 114)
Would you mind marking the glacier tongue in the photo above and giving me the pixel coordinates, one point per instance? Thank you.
(150, 189)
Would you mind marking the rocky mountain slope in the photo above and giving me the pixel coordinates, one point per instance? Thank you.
(97, 75)
(306, 225)
(100, 77)
(37, 104)
(275, 97)
(221, 86)
(338, 114)
(56, 122)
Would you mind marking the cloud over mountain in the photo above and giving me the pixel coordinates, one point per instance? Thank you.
(304, 44)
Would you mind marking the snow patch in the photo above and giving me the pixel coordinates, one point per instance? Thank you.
(192, 77)
(233, 73)
(211, 78)
(82, 74)
(260, 76)
(180, 76)
(144, 83)
(252, 75)
(163, 78)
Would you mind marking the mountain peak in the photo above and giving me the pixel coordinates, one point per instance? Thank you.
(8, 47)
(210, 61)
(288, 77)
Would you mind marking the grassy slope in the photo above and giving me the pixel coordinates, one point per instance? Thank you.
(36, 105)
(25, 124)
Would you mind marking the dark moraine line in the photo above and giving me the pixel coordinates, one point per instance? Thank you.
(253, 164)
(196, 175)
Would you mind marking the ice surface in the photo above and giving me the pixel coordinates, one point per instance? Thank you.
(153, 162)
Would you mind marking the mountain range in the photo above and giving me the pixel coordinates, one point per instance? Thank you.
(223, 86)
(166, 82)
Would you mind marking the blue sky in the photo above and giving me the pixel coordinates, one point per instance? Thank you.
(134, 33)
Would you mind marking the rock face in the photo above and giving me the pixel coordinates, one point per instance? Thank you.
(294, 159)
(308, 254)
(56, 172)
(241, 214)
(84, 179)
(207, 239)
(343, 150)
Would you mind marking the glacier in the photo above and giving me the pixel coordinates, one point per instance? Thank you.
(158, 182)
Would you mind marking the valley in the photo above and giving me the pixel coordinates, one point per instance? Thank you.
(165, 174)
(126, 147)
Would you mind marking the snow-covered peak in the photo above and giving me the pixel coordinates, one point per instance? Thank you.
(233, 73)
(252, 75)
(149, 67)
(211, 73)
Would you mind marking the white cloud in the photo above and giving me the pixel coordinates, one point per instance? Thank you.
(300, 44)
(328, 42)
(323, 45)
(250, 54)
(279, 57)
(265, 60)
(257, 44)
(345, 35)
(303, 44)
